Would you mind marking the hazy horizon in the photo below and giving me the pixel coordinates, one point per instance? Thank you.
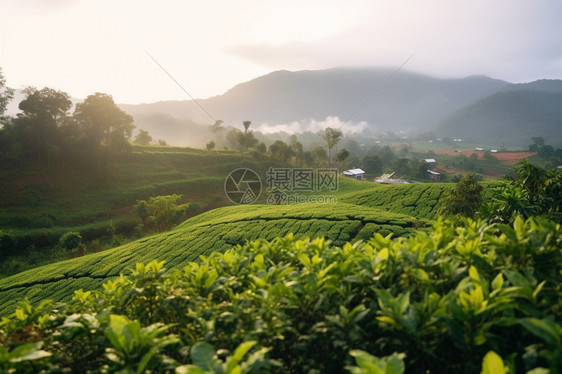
(84, 47)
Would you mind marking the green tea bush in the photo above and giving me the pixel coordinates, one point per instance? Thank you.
(71, 240)
(420, 200)
(465, 299)
(204, 234)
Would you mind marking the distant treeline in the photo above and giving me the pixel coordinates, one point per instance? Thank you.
(48, 135)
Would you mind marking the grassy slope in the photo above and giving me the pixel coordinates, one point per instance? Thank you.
(76, 196)
(417, 200)
(216, 230)
(38, 206)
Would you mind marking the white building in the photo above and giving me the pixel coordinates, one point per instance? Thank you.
(354, 173)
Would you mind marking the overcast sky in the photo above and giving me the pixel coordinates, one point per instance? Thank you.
(208, 46)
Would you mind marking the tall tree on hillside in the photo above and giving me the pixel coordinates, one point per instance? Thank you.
(38, 127)
(281, 151)
(298, 150)
(332, 137)
(372, 164)
(246, 126)
(341, 156)
(143, 138)
(218, 130)
(103, 122)
(319, 155)
(401, 167)
(6, 94)
(242, 140)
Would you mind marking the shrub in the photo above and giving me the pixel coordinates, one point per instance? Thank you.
(455, 299)
(71, 240)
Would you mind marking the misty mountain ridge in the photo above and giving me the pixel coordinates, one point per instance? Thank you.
(542, 85)
(509, 117)
(409, 101)
(477, 107)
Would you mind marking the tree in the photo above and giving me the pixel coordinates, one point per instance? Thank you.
(298, 150)
(319, 155)
(71, 240)
(464, 199)
(332, 137)
(372, 164)
(401, 167)
(161, 211)
(218, 130)
(210, 146)
(421, 170)
(143, 138)
(546, 151)
(47, 103)
(533, 192)
(531, 177)
(217, 127)
(261, 148)
(246, 126)
(387, 155)
(241, 140)
(142, 211)
(280, 151)
(37, 128)
(103, 122)
(341, 156)
(6, 94)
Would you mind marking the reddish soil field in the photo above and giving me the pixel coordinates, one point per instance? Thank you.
(507, 158)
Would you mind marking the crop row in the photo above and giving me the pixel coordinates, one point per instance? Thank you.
(202, 235)
(468, 298)
(416, 200)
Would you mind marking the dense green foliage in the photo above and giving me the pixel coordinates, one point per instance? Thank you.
(464, 199)
(204, 234)
(532, 192)
(46, 135)
(162, 212)
(39, 206)
(450, 300)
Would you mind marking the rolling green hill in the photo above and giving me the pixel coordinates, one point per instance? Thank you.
(512, 116)
(417, 200)
(40, 205)
(216, 230)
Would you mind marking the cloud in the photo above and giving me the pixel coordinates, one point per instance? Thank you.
(512, 40)
(314, 126)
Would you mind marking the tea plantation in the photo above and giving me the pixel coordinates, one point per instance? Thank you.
(417, 200)
(215, 230)
(473, 298)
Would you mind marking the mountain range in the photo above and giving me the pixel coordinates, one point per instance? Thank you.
(479, 108)
(408, 102)
(372, 100)
(510, 117)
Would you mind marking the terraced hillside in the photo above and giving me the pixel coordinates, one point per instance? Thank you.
(417, 200)
(39, 206)
(216, 230)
